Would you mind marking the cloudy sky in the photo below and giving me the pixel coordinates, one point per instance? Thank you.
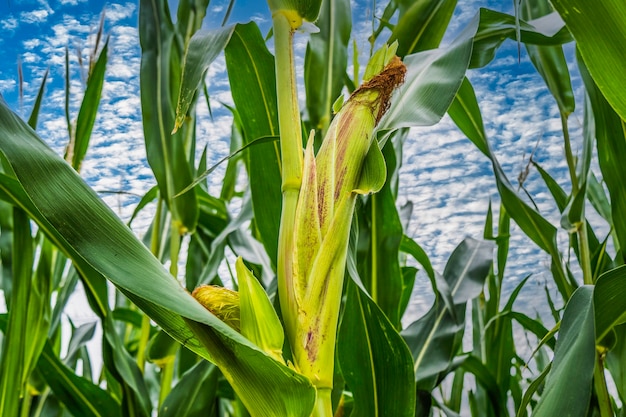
(447, 179)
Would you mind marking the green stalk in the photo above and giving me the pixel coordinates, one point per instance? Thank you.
(569, 156)
(291, 163)
(599, 382)
(145, 320)
(167, 371)
(323, 404)
(167, 376)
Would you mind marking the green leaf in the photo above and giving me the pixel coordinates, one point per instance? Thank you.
(600, 33)
(375, 361)
(80, 396)
(306, 9)
(160, 72)
(568, 385)
(610, 133)
(411, 247)
(374, 171)
(432, 79)
(34, 115)
(259, 321)
(326, 60)
(89, 109)
(380, 268)
(610, 301)
(14, 363)
(421, 25)
(434, 338)
(76, 220)
(494, 27)
(465, 113)
(195, 393)
(253, 86)
(615, 360)
(549, 60)
(202, 49)
(486, 380)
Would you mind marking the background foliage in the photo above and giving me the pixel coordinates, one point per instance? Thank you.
(463, 356)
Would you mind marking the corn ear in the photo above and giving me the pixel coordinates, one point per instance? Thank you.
(221, 302)
(348, 163)
(259, 321)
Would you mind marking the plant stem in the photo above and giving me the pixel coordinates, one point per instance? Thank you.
(291, 165)
(145, 320)
(323, 404)
(167, 376)
(599, 381)
(569, 156)
(143, 342)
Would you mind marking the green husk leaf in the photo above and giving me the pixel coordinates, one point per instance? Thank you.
(259, 321)
(374, 171)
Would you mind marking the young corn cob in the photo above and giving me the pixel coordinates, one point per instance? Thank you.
(348, 163)
(248, 311)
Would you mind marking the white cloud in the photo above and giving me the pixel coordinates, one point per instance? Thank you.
(117, 12)
(71, 2)
(36, 16)
(8, 24)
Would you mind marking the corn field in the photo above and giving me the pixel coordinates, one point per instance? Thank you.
(308, 318)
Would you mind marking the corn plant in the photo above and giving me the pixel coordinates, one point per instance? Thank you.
(324, 269)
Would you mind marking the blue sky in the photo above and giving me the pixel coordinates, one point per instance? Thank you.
(447, 179)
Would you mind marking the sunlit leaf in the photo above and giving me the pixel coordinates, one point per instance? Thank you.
(600, 33)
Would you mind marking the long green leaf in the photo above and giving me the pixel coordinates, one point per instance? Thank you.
(600, 34)
(432, 79)
(160, 72)
(195, 393)
(15, 341)
(610, 301)
(610, 133)
(568, 385)
(421, 25)
(101, 246)
(80, 396)
(202, 49)
(380, 269)
(434, 338)
(253, 86)
(34, 115)
(549, 60)
(89, 109)
(465, 112)
(326, 60)
(375, 361)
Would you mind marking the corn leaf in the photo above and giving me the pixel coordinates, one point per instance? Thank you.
(202, 49)
(600, 33)
(549, 60)
(16, 340)
(382, 234)
(76, 220)
(465, 113)
(434, 338)
(194, 394)
(610, 301)
(610, 134)
(89, 108)
(375, 361)
(253, 86)
(568, 385)
(160, 72)
(421, 25)
(326, 60)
